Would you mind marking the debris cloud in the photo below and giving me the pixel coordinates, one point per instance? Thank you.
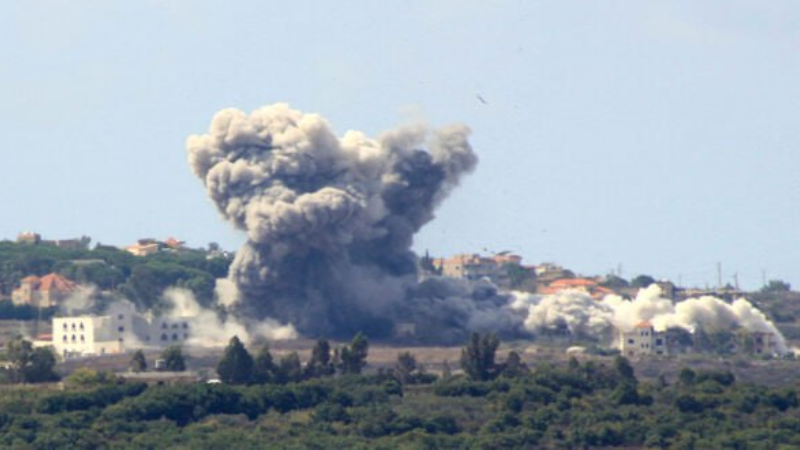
(329, 221)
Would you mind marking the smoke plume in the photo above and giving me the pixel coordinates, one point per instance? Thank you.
(329, 220)
(209, 330)
(583, 316)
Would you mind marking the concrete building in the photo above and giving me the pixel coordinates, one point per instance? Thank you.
(495, 268)
(644, 340)
(119, 330)
(49, 290)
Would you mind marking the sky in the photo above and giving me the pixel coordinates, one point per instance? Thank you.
(654, 138)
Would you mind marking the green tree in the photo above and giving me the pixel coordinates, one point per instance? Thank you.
(28, 364)
(264, 368)
(174, 360)
(405, 367)
(236, 365)
(138, 362)
(642, 281)
(290, 369)
(776, 286)
(614, 282)
(514, 366)
(321, 363)
(478, 357)
(354, 357)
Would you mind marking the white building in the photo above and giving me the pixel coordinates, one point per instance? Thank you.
(643, 340)
(121, 329)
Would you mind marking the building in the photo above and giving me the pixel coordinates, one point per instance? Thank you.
(122, 328)
(149, 246)
(586, 285)
(49, 290)
(644, 340)
(144, 247)
(495, 268)
(764, 343)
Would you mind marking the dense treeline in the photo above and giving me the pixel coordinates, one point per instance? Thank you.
(140, 279)
(494, 404)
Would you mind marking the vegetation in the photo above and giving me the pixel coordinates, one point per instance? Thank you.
(25, 364)
(140, 279)
(138, 362)
(582, 405)
(236, 365)
(174, 360)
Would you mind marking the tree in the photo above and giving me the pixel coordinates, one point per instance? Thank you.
(290, 370)
(477, 358)
(614, 282)
(642, 281)
(354, 357)
(776, 286)
(173, 359)
(28, 364)
(236, 365)
(321, 363)
(514, 366)
(405, 367)
(264, 368)
(138, 362)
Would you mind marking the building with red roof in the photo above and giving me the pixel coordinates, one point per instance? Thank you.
(43, 292)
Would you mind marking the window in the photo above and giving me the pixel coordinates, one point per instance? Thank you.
(81, 325)
(121, 340)
(121, 329)
(74, 338)
(185, 325)
(186, 335)
(164, 337)
(164, 326)
(175, 336)
(659, 341)
(65, 338)
(82, 339)
(121, 316)
(65, 326)
(631, 342)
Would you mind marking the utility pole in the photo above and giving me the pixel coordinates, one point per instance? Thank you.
(719, 275)
(763, 277)
(736, 280)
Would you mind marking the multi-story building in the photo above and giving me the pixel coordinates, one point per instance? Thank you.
(119, 330)
(49, 290)
(643, 340)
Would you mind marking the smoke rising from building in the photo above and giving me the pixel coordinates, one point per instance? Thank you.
(583, 316)
(329, 221)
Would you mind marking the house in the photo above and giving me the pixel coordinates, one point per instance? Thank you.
(643, 340)
(122, 328)
(764, 343)
(49, 290)
(495, 268)
(586, 285)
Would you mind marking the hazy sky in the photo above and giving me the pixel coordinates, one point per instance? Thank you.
(660, 135)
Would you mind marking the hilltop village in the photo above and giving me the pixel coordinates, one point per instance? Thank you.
(64, 295)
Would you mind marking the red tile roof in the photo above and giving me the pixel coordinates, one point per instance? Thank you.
(644, 324)
(55, 282)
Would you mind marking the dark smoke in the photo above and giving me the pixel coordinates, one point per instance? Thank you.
(330, 221)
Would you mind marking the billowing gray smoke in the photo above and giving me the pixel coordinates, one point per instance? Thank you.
(330, 221)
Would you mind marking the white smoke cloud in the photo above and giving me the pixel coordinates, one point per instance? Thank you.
(586, 316)
(208, 330)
